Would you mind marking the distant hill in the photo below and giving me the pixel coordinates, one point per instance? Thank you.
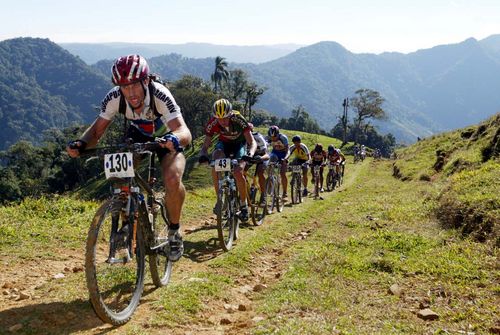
(441, 88)
(93, 52)
(43, 86)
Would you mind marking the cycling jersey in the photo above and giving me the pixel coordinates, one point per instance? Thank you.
(302, 152)
(261, 144)
(146, 122)
(335, 156)
(318, 156)
(279, 143)
(234, 133)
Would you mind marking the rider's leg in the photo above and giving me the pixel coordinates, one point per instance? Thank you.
(241, 182)
(262, 179)
(173, 165)
(304, 177)
(321, 169)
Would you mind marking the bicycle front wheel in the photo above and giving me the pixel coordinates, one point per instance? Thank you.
(114, 264)
(330, 182)
(259, 206)
(295, 189)
(226, 216)
(277, 198)
(159, 264)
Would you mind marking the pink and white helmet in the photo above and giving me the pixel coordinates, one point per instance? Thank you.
(129, 69)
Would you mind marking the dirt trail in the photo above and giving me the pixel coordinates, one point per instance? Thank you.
(31, 300)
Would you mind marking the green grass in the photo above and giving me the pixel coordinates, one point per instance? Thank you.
(468, 176)
(40, 224)
(338, 278)
(375, 232)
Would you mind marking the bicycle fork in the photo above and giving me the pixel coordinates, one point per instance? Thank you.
(126, 237)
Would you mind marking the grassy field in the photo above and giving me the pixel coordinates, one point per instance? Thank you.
(365, 260)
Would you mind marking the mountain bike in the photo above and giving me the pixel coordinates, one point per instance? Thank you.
(296, 182)
(227, 202)
(332, 178)
(357, 155)
(129, 225)
(256, 199)
(317, 181)
(273, 188)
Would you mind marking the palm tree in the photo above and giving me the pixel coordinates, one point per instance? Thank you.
(220, 73)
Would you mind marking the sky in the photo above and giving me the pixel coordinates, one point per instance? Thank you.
(372, 26)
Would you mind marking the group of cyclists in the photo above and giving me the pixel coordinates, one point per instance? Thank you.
(155, 116)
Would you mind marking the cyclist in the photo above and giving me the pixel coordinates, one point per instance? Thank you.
(363, 152)
(336, 158)
(279, 152)
(234, 137)
(301, 155)
(153, 115)
(318, 156)
(262, 155)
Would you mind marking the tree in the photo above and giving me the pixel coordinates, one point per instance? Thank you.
(195, 98)
(237, 84)
(367, 105)
(301, 120)
(221, 74)
(344, 120)
(253, 92)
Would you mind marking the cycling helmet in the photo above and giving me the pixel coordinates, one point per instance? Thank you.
(296, 138)
(129, 69)
(222, 108)
(273, 131)
(318, 148)
(331, 148)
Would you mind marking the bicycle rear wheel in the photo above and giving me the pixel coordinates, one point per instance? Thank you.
(115, 280)
(226, 216)
(159, 264)
(270, 195)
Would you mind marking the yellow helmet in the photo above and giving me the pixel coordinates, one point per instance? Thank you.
(222, 108)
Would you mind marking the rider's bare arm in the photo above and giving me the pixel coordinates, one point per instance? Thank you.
(205, 145)
(92, 135)
(179, 129)
(252, 144)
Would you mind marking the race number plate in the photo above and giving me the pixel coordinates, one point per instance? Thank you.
(296, 168)
(223, 164)
(119, 165)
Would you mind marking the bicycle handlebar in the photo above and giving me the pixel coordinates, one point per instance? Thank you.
(135, 148)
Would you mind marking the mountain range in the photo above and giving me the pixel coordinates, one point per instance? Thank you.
(93, 52)
(445, 87)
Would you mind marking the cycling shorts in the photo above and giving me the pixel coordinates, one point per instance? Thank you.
(279, 154)
(231, 149)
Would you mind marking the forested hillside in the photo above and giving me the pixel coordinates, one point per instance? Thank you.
(445, 87)
(44, 86)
